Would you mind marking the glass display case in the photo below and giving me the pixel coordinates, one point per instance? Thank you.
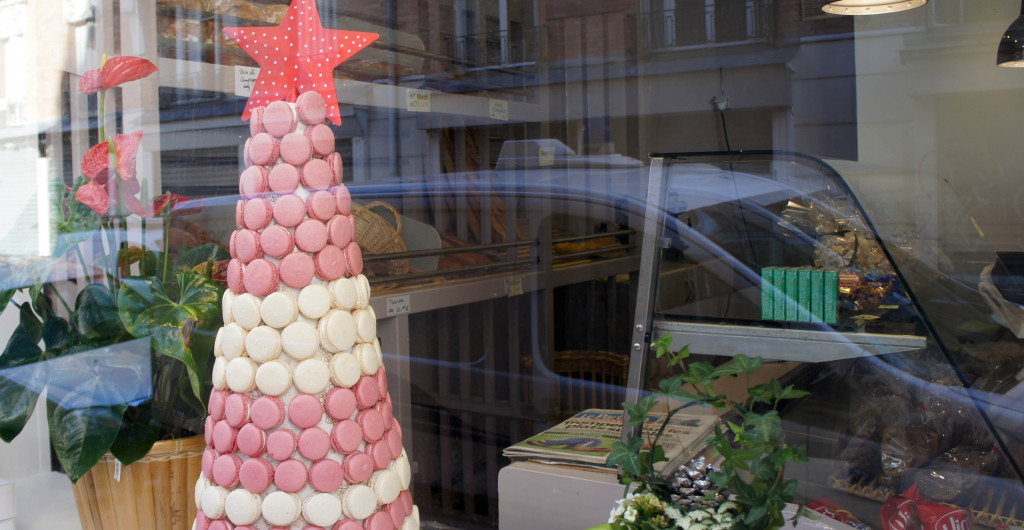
(913, 366)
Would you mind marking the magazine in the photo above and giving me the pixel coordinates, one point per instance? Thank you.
(586, 438)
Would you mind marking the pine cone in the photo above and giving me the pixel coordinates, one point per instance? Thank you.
(692, 489)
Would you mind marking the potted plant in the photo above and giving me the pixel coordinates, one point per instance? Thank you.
(123, 360)
(747, 492)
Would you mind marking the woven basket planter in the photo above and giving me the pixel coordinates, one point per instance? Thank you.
(377, 236)
(155, 492)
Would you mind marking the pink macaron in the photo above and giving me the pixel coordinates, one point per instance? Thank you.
(256, 475)
(329, 263)
(396, 512)
(203, 522)
(289, 210)
(346, 524)
(245, 245)
(279, 118)
(353, 259)
(367, 392)
(284, 178)
(261, 277)
(340, 403)
(236, 409)
(281, 444)
(257, 213)
(311, 107)
(263, 149)
(221, 524)
(209, 457)
(378, 521)
(358, 467)
(251, 440)
(380, 453)
(382, 380)
(394, 440)
(297, 270)
(314, 443)
(386, 409)
(305, 411)
(267, 412)
(296, 149)
(208, 426)
(341, 230)
(234, 274)
(346, 436)
(255, 180)
(247, 152)
(342, 199)
(326, 475)
(277, 241)
(225, 470)
(405, 498)
(337, 167)
(239, 213)
(320, 205)
(256, 121)
(372, 424)
(310, 235)
(217, 398)
(316, 175)
(322, 139)
(291, 476)
(224, 437)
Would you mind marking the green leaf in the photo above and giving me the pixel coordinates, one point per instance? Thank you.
(663, 345)
(96, 314)
(57, 333)
(81, 435)
(30, 322)
(146, 309)
(754, 514)
(747, 365)
(5, 298)
(22, 378)
(627, 456)
(791, 393)
(139, 431)
(201, 254)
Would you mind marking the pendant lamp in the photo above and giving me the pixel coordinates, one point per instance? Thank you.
(1011, 47)
(870, 7)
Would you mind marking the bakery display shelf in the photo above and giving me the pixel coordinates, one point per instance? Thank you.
(783, 344)
(992, 503)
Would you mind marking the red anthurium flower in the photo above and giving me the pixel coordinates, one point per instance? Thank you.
(94, 195)
(167, 202)
(96, 161)
(115, 71)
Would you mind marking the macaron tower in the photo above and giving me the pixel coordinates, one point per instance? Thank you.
(301, 432)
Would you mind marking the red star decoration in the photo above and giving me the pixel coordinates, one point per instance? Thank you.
(297, 56)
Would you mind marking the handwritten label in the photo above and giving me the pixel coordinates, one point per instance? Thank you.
(245, 78)
(547, 156)
(396, 305)
(418, 101)
(117, 470)
(499, 109)
(514, 286)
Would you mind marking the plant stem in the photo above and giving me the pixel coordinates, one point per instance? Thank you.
(81, 259)
(167, 244)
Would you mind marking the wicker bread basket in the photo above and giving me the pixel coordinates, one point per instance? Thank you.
(376, 236)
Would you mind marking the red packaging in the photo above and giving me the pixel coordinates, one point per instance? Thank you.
(911, 512)
(830, 508)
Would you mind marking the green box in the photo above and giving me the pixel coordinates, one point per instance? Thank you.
(766, 293)
(803, 298)
(792, 288)
(817, 295)
(779, 293)
(830, 306)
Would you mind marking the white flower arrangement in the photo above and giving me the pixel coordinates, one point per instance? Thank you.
(646, 510)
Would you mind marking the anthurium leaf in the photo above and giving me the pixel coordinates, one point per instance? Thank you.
(81, 435)
(5, 298)
(139, 431)
(96, 314)
(201, 254)
(57, 333)
(22, 378)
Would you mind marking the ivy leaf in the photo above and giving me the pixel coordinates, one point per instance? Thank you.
(754, 514)
(791, 393)
(663, 345)
(747, 365)
(627, 456)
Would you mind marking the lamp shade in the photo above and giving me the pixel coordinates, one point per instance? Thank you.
(870, 7)
(1011, 46)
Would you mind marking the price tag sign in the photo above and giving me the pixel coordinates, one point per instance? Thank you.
(245, 78)
(546, 156)
(396, 305)
(418, 101)
(499, 109)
